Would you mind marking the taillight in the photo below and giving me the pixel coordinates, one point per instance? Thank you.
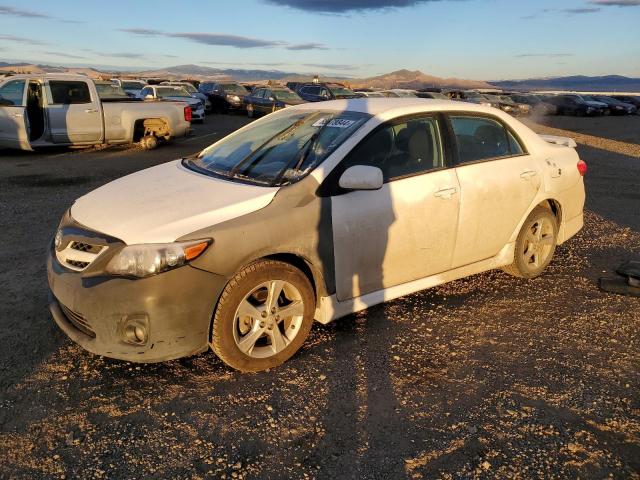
(582, 167)
(187, 114)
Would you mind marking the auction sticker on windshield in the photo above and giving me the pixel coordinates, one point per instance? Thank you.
(335, 122)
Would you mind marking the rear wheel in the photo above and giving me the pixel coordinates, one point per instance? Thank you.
(263, 316)
(535, 245)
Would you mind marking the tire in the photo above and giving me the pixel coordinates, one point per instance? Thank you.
(249, 338)
(533, 250)
(149, 142)
(250, 112)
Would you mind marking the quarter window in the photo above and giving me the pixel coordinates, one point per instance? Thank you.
(69, 92)
(12, 93)
(401, 149)
(480, 138)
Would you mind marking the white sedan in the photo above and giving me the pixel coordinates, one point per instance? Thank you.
(313, 212)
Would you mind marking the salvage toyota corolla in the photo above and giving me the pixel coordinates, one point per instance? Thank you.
(313, 212)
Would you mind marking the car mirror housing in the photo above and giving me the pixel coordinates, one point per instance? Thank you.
(361, 177)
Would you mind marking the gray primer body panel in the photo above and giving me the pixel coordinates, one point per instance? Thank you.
(296, 222)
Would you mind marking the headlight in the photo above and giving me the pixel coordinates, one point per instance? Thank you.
(144, 260)
(235, 98)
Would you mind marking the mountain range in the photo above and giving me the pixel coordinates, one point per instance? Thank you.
(397, 79)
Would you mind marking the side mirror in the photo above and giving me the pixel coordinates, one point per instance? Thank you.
(271, 99)
(361, 177)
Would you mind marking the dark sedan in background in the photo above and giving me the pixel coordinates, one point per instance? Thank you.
(269, 99)
(616, 107)
(224, 96)
(573, 105)
(320, 92)
(633, 100)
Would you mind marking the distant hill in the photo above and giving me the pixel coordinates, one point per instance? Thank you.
(576, 82)
(197, 71)
(415, 79)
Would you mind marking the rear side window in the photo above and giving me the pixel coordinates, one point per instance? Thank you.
(479, 138)
(401, 149)
(67, 92)
(12, 93)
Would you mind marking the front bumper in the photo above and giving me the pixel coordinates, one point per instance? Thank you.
(176, 307)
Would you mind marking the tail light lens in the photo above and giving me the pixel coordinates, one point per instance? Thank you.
(187, 114)
(582, 167)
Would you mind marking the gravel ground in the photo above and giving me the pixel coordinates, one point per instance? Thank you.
(486, 377)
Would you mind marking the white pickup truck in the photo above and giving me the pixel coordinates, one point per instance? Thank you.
(63, 109)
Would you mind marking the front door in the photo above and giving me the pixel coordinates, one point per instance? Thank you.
(74, 116)
(498, 183)
(14, 126)
(407, 229)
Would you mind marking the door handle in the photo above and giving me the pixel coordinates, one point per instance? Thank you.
(446, 192)
(90, 110)
(528, 174)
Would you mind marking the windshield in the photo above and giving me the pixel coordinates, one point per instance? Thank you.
(339, 92)
(400, 93)
(164, 92)
(505, 99)
(285, 95)
(492, 98)
(109, 90)
(133, 85)
(187, 86)
(472, 94)
(438, 96)
(234, 88)
(279, 150)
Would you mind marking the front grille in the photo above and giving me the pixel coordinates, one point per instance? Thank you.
(77, 264)
(86, 247)
(78, 321)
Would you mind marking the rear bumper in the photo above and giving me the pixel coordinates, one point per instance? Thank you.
(175, 307)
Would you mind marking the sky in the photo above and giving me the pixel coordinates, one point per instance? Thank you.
(473, 39)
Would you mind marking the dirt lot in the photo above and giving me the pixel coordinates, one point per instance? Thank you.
(487, 377)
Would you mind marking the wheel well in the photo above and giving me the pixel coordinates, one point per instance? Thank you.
(145, 126)
(554, 206)
(301, 264)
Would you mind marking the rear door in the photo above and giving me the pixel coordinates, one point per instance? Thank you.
(74, 114)
(14, 125)
(499, 181)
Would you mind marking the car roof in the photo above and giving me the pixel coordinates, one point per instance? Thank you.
(379, 106)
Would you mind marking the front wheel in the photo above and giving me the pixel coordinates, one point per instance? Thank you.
(535, 245)
(263, 316)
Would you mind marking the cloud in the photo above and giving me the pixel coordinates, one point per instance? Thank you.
(332, 66)
(27, 41)
(616, 3)
(344, 6)
(65, 55)
(16, 12)
(307, 46)
(578, 11)
(225, 40)
(544, 55)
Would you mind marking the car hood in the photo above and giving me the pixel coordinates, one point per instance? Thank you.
(166, 202)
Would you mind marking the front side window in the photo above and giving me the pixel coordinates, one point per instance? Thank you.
(129, 85)
(400, 149)
(279, 150)
(12, 93)
(69, 92)
(480, 138)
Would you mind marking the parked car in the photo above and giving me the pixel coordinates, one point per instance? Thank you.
(469, 96)
(506, 104)
(537, 105)
(269, 99)
(616, 107)
(61, 109)
(603, 107)
(399, 93)
(131, 87)
(633, 100)
(368, 93)
(224, 96)
(573, 105)
(179, 94)
(320, 92)
(311, 212)
(432, 95)
(193, 91)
